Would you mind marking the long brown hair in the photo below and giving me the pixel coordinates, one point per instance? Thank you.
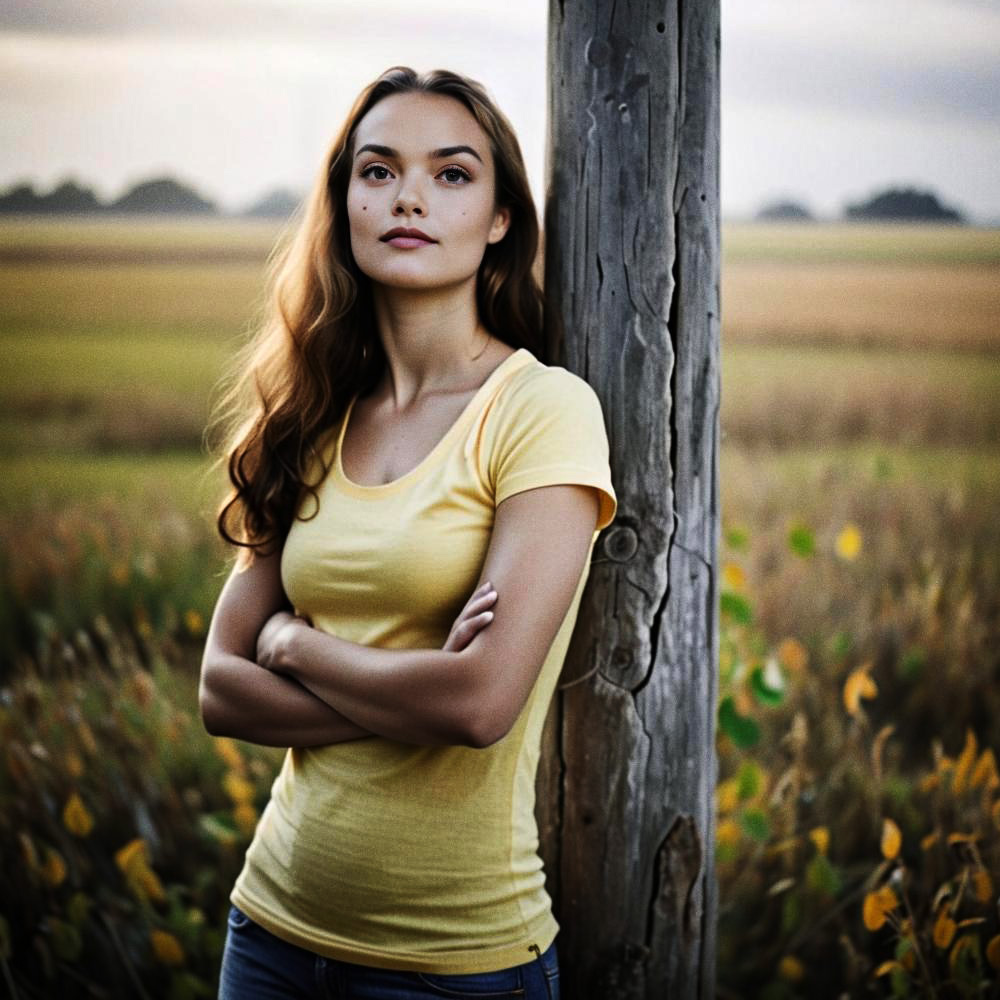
(318, 344)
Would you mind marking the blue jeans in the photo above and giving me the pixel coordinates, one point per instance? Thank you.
(256, 965)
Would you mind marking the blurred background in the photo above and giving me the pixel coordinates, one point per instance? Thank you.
(150, 154)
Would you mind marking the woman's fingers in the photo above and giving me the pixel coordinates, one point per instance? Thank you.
(468, 629)
(478, 603)
(474, 617)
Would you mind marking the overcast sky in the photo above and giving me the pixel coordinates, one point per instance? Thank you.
(824, 101)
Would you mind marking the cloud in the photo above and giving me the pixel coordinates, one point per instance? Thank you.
(262, 19)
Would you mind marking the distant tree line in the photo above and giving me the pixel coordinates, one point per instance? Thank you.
(170, 196)
(156, 196)
(894, 204)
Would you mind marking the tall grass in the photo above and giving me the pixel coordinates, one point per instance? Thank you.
(858, 817)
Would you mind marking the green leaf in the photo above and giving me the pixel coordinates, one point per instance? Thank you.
(840, 644)
(791, 912)
(749, 780)
(801, 540)
(736, 607)
(764, 694)
(187, 986)
(900, 983)
(741, 729)
(822, 876)
(78, 908)
(66, 940)
(737, 537)
(912, 664)
(756, 824)
(726, 852)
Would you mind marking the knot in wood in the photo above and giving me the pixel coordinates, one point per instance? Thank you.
(621, 543)
(598, 52)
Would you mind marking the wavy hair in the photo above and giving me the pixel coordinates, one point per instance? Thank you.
(317, 344)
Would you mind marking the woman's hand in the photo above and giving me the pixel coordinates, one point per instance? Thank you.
(273, 636)
(474, 617)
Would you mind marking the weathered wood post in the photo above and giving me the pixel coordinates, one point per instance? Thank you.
(627, 781)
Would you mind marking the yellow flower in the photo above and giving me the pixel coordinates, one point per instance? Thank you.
(246, 817)
(849, 542)
(167, 948)
(820, 836)
(857, 686)
(985, 771)
(993, 951)
(228, 751)
(877, 906)
(928, 841)
(54, 869)
(142, 880)
(727, 832)
(982, 885)
(929, 782)
(793, 654)
(944, 928)
(237, 787)
(727, 795)
(888, 966)
(733, 576)
(791, 969)
(75, 817)
(194, 622)
(892, 839)
(964, 763)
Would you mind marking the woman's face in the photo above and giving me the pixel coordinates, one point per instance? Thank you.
(432, 170)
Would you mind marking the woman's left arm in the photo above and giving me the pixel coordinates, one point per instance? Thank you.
(540, 543)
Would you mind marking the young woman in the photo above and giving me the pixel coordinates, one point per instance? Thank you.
(416, 494)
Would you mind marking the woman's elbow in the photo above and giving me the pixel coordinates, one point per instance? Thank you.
(210, 704)
(488, 724)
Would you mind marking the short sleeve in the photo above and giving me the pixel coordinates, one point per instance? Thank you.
(549, 430)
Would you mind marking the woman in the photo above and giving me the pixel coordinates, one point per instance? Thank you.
(416, 496)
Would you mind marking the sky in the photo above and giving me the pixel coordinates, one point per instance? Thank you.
(824, 102)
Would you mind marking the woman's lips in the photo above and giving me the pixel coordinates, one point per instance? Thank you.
(408, 242)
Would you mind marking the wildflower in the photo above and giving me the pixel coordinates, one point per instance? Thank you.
(848, 543)
(166, 948)
(75, 817)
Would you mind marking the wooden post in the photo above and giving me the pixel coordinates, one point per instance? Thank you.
(627, 782)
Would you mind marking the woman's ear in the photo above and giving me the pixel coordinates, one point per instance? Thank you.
(501, 223)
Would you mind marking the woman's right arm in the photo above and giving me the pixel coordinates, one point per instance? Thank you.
(240, 699)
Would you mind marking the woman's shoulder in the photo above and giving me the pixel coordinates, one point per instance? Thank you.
(538, 385)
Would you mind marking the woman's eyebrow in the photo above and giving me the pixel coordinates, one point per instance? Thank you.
(436, 154)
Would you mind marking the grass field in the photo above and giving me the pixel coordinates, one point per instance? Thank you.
(860, 569)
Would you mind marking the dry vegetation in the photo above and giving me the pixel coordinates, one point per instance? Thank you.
(858, 818)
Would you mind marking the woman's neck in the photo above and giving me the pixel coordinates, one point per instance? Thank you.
(433, 341)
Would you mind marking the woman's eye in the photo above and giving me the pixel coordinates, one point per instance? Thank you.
(456, 174)
(369, 171)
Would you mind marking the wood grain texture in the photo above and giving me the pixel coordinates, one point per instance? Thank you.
(626, 786)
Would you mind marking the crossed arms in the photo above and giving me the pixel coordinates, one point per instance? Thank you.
(268, 677)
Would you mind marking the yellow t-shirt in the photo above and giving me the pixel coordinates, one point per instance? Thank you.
(390, 854)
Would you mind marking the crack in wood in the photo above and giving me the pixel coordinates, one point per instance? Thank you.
(679, 861)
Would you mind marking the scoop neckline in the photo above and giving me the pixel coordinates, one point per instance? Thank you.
(521, 355)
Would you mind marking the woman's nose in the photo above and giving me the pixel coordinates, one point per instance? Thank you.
(409, 201)
(407, 206)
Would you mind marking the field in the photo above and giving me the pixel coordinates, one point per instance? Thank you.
(860, 628)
